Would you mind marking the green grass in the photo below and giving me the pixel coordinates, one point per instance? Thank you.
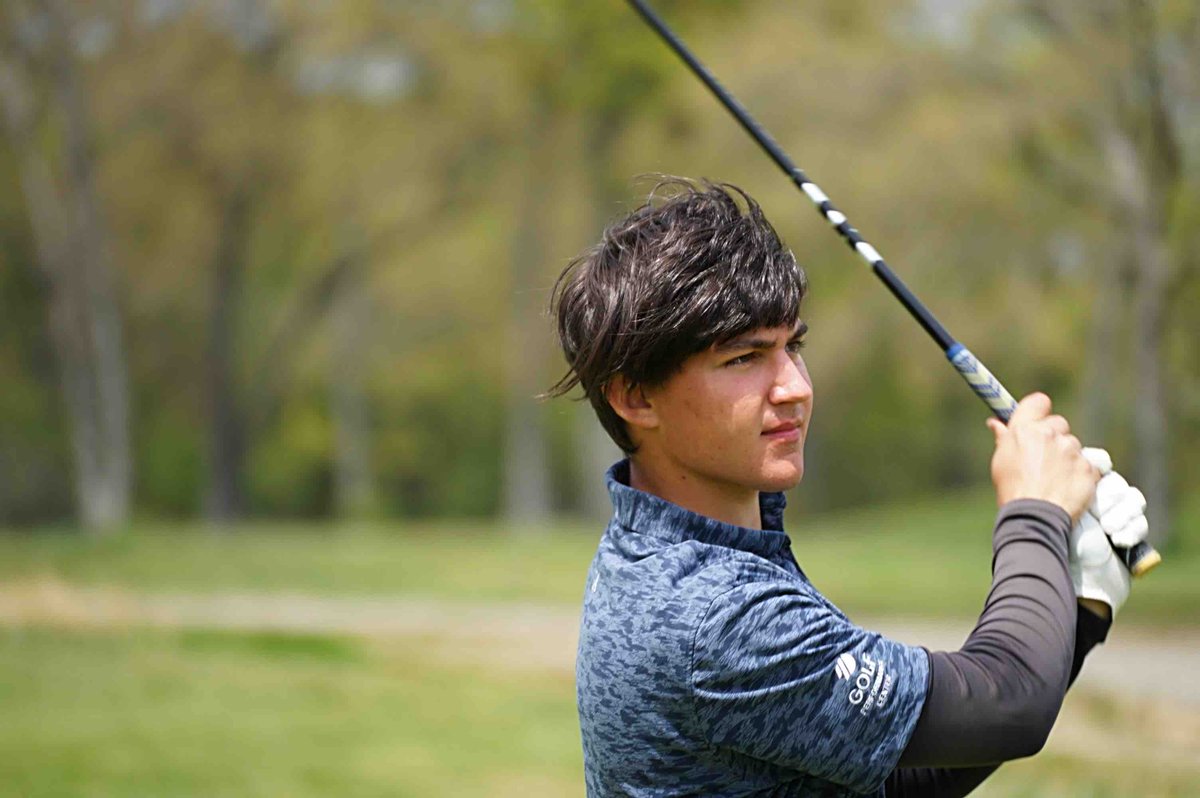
(470, 560)
(220, 715)
(215, 714)
(928, 558)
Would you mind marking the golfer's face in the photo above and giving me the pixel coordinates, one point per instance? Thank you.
(738, 414)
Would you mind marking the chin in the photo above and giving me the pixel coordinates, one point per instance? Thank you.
(782, 476)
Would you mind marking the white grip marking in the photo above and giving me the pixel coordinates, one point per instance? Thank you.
(815, 194)
(868, 252)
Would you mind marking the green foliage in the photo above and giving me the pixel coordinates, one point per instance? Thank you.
(946, 153)
(169, 456)
(33, 443)
(290, 465)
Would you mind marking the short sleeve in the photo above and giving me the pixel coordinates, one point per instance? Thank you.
(780, 675)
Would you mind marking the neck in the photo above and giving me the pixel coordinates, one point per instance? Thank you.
(722, 502)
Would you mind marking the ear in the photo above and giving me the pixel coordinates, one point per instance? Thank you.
(631, 403)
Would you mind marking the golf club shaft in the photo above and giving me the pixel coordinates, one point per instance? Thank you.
(1141, 558)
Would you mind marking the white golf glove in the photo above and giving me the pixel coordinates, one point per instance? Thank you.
(1117, 513)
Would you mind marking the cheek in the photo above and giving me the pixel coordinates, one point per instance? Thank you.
(697, 415)
(746, 413)
(721, 409)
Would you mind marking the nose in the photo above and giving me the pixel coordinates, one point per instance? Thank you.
(792, 384)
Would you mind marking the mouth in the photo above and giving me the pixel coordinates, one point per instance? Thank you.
(789, 431)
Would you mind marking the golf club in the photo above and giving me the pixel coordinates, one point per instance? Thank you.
(1141, 558)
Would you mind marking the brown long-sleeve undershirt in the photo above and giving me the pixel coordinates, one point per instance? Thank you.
(997, 697)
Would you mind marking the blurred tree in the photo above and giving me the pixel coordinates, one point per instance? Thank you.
(1117, 141)
(353, 475)
(218, 150)
(593, 68)
(339, 224)
(34, 454)
(527, 496)
(237, 165)
(45, 103)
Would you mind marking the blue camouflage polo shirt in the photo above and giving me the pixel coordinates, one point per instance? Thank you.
(709, 665)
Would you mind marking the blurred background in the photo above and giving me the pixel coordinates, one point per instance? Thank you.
(280, 513)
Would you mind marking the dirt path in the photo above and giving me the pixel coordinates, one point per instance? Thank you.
(514, 634)
(1134, 664)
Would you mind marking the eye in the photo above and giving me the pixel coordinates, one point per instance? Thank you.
(795, 346)
(740, 359)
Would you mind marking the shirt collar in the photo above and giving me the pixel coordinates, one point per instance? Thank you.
(646, 513)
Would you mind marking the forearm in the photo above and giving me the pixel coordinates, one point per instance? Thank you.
(916, 782)
(996, 698)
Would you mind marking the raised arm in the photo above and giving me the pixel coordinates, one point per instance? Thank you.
(1052, 601)
(996, 698)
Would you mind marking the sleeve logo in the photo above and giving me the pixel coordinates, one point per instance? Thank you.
(870, 686)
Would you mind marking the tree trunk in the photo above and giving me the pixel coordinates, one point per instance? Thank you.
(1150, 398)
(225, 499)
(1099, 375)
(526, 461)
(353, 478)
(72, 247)
(109, 496)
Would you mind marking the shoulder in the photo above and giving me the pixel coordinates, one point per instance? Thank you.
(762, 609)
(641, 590)
(730, 583)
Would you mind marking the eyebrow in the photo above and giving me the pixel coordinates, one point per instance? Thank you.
(760, 343)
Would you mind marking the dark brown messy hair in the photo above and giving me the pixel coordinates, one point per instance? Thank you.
(696, 265)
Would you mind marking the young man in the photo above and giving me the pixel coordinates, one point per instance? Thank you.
(708, 664)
